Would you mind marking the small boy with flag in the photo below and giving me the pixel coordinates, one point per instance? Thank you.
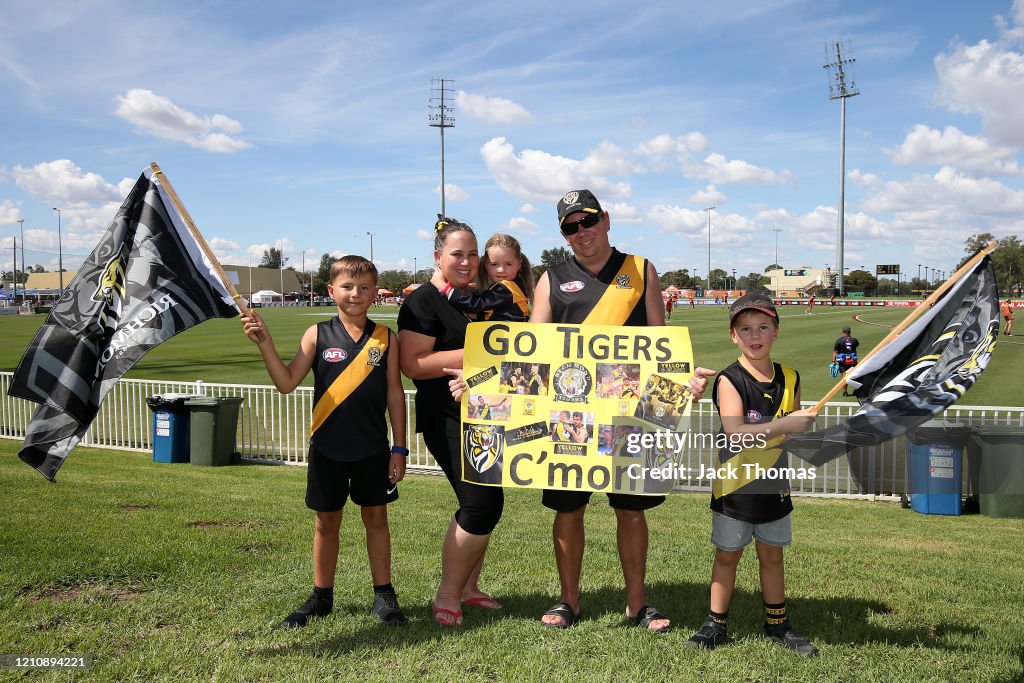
(356, 378)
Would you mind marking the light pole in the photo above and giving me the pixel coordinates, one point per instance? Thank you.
(415, 271)
(776, 231)
(734, 278)
(839, 88)
(371, 244)
(280, 266)
(21, 222)
(709, 209)
(60, 256)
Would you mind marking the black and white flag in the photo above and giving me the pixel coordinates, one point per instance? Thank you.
(926, 369)
(145, 282)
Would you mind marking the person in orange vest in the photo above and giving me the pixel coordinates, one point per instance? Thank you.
(1007, 310)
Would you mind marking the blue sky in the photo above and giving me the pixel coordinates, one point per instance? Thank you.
(304, 125)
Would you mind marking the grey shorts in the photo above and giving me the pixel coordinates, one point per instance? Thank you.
(732, 534)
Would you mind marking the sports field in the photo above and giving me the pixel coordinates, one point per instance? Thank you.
(180, 573)
(217, 351)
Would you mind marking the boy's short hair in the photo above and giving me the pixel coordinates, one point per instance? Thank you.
(753, 301)
(353, 265)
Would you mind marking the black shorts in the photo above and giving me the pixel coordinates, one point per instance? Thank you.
(570, 501)
(329, 483)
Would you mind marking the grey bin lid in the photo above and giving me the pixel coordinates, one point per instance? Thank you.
(940, 430)
(212, 400)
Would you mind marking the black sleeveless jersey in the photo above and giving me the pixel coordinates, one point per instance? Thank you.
(357, 428)
(576, 294)
(755, 489)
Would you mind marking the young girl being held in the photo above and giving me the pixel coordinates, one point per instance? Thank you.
(505, 283)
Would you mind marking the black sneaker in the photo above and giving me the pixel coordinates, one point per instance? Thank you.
(709, 636)
(386, 609)
(784, 634)
(313, 607)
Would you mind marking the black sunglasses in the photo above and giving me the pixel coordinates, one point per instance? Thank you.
(588, 222)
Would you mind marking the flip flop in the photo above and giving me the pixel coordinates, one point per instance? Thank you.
(645, 616)
(446, 617)
(563, 610)
(483, 602)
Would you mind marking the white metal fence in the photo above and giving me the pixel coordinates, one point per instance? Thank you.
(274, 427)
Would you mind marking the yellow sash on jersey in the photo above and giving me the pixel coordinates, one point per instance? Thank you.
(765, 457)
(350, 378)
(518, 298)
(619, 300)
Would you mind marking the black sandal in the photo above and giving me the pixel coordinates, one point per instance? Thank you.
(563, 610)
(645, 616)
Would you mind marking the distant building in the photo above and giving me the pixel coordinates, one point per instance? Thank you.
(799, 282)
(264, 279)
(46, 285)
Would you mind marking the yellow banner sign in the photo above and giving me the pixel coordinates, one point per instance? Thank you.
(573, 407)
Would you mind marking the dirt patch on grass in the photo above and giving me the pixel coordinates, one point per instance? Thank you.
(91, 590)
(212, 524)
(131, 507)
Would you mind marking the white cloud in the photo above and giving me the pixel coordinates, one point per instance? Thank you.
(708, 196)
(491, 109)
(986, 79)
(452, 192)
(9, 213)
(665, 145)
(161, 118)
(518, 225)
(226, 251)
(717, 169)
(544, 177)
(63, 181)
(951, 147)
(424, 235)
(528, 208)
(670, 218)
(622, 213)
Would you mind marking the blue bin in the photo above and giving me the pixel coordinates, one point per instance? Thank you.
(171, 427)
(935, 456)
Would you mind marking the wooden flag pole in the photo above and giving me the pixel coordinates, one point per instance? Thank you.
(199, 238)
(918, 311)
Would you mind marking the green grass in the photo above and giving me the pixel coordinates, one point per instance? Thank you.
(174, 572)
(217, 351)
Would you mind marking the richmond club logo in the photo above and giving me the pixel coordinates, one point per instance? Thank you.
(484, 445)
(570, 198)
(574, 286)
(334, 355)
(110, 288)
(622, 281)
(572, 383)
(375, 356)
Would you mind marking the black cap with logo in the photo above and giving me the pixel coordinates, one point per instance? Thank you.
(577, 200)
(753, 301)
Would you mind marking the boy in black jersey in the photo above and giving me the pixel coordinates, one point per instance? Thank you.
(757, 401)
(357, 377)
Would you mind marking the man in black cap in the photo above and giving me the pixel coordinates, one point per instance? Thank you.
(844, 353)
(601, 286)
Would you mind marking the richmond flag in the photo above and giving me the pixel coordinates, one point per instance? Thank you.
(145, 282)
(919, 374)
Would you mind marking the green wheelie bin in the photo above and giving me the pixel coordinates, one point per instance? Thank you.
(1000, 451)
(214, 424)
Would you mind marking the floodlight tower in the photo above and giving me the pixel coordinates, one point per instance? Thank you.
(709, 209)
(840, 87)
(440, 117)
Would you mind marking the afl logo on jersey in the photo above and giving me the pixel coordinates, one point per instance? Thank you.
(574, 286)
(334, 355)
(753, 416)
